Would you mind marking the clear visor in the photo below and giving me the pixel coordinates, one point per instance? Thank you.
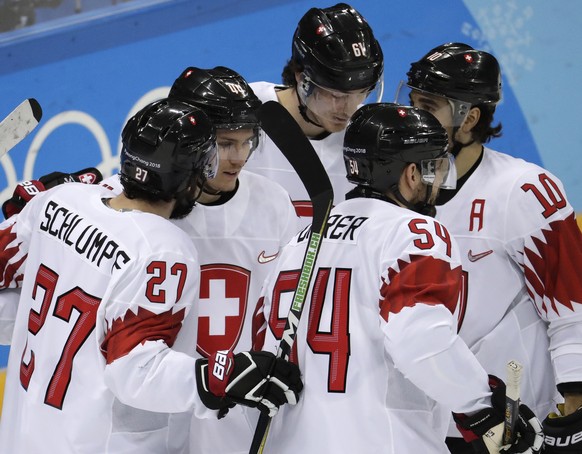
(450, 112)
(439, 172)
(336, 105)
(211, 167)
(238, 150)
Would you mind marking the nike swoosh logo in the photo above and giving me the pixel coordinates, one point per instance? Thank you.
(267, 258)
(479, 256)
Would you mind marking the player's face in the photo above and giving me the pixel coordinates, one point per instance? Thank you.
(234, 148)
(437, 105)
(332, 109)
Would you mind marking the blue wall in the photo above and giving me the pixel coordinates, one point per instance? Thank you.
(90, 70)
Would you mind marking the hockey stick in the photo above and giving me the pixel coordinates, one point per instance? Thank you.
(18, 124)
(284, 131)
(512, 394)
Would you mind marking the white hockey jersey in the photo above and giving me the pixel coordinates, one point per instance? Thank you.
(521, 251)
(381, 301)
(237, 243)
(103, 298)
(267, 160)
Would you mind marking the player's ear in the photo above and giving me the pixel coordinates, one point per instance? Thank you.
(471, 119)
(409, 179)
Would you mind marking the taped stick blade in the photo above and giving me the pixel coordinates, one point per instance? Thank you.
(35, 108)
(19, 124)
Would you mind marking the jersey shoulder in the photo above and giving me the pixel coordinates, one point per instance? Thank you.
(532, 196)
(266, 199)
(501, 166)
(263, 188)
(140, 230)
(265, 91)
(113, 183)
(391, 231)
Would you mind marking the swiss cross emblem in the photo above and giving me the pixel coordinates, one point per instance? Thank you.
(468, 58)
(402, 112)
(222, 306)
(192, 120)
(88, 178)
(320, 30)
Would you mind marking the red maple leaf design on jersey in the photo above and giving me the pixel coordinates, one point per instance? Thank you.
(424, 280)
(136, 328)
(7, 269)
(553, 268)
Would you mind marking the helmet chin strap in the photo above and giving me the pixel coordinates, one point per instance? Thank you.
(420, 207)
(303, 111)
(458, 146)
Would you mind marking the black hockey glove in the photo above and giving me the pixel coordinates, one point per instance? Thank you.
(563, 434)
(484, 429)
(246, 378)
(26, 190)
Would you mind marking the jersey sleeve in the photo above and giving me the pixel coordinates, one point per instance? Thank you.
(141, 318)
(420, 266)
(420, 289)
(9, 299)
(546, 243)
(15, 239)
(423, 343)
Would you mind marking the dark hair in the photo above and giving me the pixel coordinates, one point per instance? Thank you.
(288, 74)
(483, 132)
(135, 191)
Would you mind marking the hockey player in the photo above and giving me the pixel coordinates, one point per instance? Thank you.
(108, 284)
(236, 249)
(520, 246)
(385, 286)
(240, 223)
(23, 192)
(336, 65)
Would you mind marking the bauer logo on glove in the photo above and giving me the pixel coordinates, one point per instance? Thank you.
(563, 434)
(254, 379)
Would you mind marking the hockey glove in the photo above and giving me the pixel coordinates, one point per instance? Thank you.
(484, 429)
(89, 175)
(26, 190)
(563, 434)
(253, 379)
(23, 193)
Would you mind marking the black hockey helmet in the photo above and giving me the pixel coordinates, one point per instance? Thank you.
(223, 94)
(336, 48)
(165, 145)
(381, 139)
(459, 72)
